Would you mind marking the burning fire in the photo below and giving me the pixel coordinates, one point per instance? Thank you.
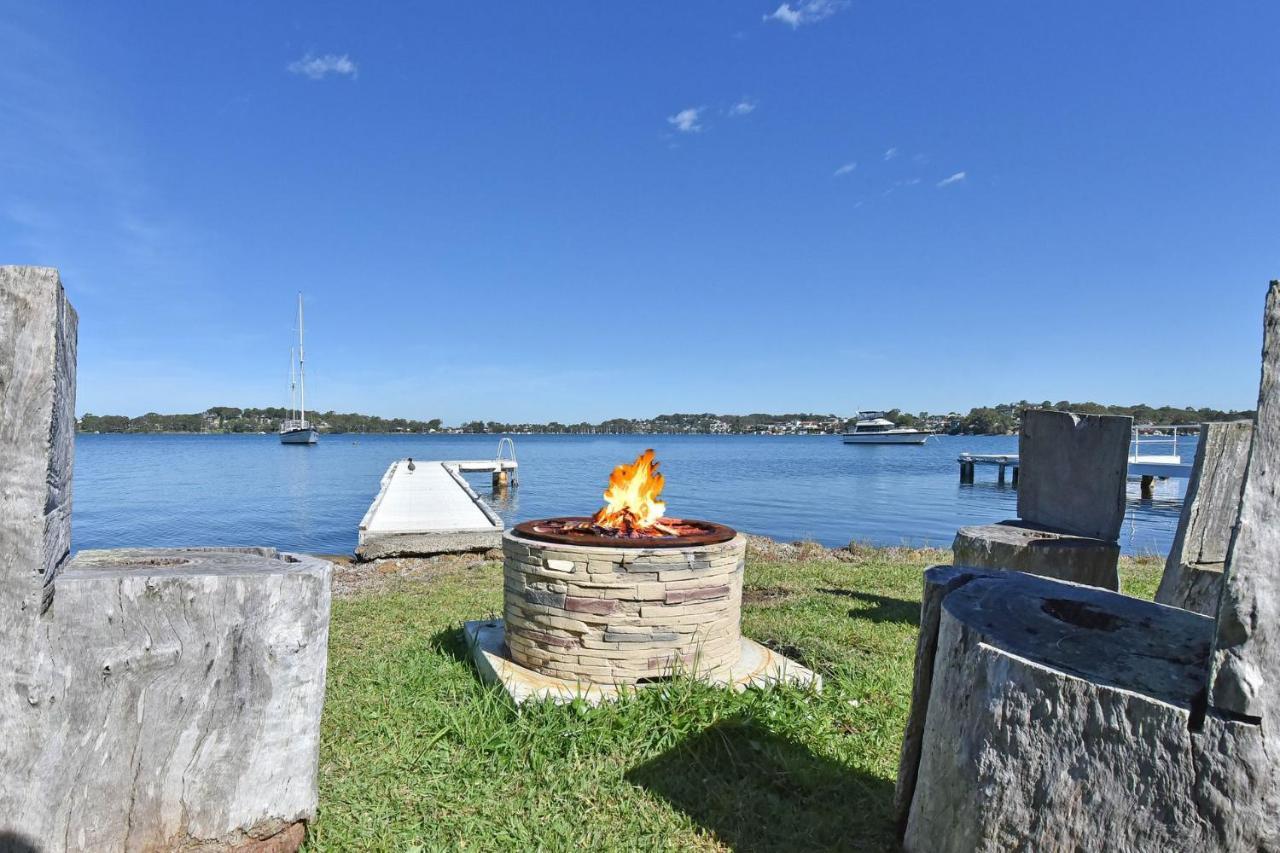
(631, 505)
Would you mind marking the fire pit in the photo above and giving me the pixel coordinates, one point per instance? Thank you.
(626, 596)
(583, 531)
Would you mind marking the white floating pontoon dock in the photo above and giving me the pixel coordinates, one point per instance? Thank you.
(431, 510)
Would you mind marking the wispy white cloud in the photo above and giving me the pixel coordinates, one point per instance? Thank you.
(320, 67)
(687, 120)
(805, 12)
(845, 169)
(743, 107)
(953, 179)
(891, 153)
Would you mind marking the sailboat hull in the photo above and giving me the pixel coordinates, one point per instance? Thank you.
(299, 436)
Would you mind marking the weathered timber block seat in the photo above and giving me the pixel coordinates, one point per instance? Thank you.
(178, 699)
(1026, 547)
(1059, 716)
(154, 699)
(1192, 576)
(1070, 502)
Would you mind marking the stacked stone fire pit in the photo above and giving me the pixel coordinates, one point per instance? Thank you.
(622, 614)
(625, 598)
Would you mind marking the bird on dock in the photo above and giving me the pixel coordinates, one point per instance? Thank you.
(411, 466)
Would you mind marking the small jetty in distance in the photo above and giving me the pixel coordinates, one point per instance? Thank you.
(1147, 466)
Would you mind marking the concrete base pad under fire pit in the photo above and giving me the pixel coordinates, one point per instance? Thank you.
(757, 667)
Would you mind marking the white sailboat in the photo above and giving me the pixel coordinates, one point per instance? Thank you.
(297, 430)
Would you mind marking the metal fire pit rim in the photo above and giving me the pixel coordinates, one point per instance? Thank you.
(715, 534)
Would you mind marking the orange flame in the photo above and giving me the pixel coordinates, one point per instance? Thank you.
(631, 501)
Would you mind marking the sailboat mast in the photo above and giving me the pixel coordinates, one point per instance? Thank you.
(302, 379)
(293, 384)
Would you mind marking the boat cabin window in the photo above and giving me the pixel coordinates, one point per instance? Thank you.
(873, 426)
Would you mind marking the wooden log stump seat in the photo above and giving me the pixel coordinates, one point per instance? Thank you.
(1045, 703)
(1070, 502)
(1074, 470)
(178, 700)
(1025, 547)
(1192, 576)
(149, 699)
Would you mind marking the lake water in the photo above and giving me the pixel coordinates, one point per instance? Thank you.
(167, 490)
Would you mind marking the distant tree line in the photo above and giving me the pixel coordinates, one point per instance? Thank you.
(705, 422)
(1000, 419)
(1005, 418)
(223, 419)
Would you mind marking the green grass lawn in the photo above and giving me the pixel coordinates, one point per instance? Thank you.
(416, 754)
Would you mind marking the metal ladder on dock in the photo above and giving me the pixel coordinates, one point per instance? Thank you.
(503, 444)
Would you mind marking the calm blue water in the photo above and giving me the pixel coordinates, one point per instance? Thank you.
(158, 490)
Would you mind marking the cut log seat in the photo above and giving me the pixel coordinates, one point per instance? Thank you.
(1026, 547)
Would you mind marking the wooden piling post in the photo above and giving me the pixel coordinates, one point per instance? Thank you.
(1015, 476)
(1000, 475)
(966, 471)
(1148, 487)
(500, 479)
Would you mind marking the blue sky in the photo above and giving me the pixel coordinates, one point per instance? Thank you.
(587, 210)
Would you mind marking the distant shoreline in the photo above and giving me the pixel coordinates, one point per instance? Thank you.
(1002, 419)
(496, 434)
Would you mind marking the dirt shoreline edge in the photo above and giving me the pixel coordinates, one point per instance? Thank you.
(352, 578)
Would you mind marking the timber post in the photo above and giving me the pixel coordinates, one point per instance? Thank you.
(1147, 487)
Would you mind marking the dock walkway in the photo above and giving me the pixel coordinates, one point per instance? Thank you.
(431, 510)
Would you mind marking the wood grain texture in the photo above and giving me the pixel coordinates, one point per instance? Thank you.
(1246, 662)
(1042, 732)
(1193, 570)
(148, 699)
(179, 700)
(37, 430)
(1062, 717)
(939, 582)
(37, 399)
(1024, 547)
(1073, 472)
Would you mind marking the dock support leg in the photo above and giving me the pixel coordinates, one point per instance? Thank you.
(500, 479)
(966, 472)
(1000, 475)
(1148, 487)
(1015, 476)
